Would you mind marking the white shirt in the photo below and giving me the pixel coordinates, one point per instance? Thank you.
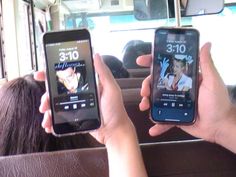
(184, 81)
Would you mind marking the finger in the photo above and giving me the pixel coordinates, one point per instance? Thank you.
(48, 130)
(199, 78)
(159, 129)
(206, 63)
(145, 90)
(144, 104)
(40, 76)
(47, 122)
(44, 105)
(144, 60)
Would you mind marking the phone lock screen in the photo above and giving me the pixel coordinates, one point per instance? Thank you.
(174, 75)
(71, 81)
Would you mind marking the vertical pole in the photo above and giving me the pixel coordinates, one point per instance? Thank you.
(34, 34)
(48, 19)
(177, 13)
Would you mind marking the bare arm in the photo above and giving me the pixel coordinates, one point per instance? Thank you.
(124, 155)
(117, 131)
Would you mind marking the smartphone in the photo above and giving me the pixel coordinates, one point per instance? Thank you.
(175, 75)
(71, 82)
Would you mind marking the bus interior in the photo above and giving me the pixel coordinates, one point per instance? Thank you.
(121, 29)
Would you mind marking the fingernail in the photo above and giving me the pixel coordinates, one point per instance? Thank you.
(209, 46)
(98, 57)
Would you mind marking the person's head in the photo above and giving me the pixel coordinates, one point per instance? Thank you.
(132, 50)
(69, 78)
(116, 66)
(20, 120)
(179, 66)
(19, 115)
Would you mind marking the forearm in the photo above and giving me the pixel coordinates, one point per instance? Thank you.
(124, 155)
(226, 137)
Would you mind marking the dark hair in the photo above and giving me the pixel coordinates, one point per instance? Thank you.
(116, 66)
(183, 62)
(20, 120)
(134, 49)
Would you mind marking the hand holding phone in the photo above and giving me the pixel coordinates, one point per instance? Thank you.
(174, 83)
(71, 82)
(110, 102)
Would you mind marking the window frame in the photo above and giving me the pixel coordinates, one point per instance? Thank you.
(2, 64)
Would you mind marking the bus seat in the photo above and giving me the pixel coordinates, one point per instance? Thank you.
(174, 159)
(195, 158)
(139, 72)
(126, 83)
(69, 163)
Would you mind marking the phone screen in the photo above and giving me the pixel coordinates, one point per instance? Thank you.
(71, 81)
(175, 75)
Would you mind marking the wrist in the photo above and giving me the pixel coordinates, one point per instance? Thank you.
(123, 149)
(121, 134)
(225, 135)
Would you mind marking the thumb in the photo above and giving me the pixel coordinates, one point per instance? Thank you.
(105, 75)
(158, 129)
(206, 63)
(39, 76)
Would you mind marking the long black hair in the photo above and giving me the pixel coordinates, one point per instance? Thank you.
(20, 121)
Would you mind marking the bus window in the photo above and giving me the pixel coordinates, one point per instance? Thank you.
(19, 41)
(112, 29)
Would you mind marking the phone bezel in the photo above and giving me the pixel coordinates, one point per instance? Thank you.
(70, 128)
(177, 30)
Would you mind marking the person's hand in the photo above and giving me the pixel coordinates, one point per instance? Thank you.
(214, 104)
(164, 65)
(115, 118)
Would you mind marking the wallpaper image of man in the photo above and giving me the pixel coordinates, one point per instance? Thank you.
(71, 77)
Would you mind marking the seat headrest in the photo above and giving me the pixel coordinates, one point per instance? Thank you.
(131, 52)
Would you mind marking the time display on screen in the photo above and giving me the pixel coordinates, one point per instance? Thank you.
(176, 48)
(68, 54)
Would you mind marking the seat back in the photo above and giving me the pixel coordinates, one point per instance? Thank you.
(139, 72)
(175, 159)
(69, 163)
(195, 158)
(129, 83)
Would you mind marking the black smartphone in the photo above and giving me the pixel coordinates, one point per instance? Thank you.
(71, 82)
(175, 75)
